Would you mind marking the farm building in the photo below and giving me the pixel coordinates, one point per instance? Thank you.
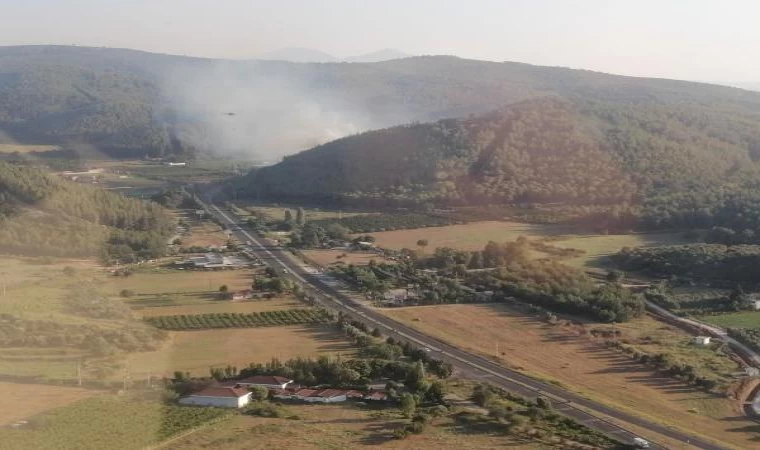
(223, 397)
(267, 381)
(213, 261)
(702, 340)
(311, 395)
(242, 295)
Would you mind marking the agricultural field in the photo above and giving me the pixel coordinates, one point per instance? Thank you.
(197, 351)
(168, 287)
(240, 307)
(36, 286)
(277, 212)
(204, 233)
(568, 355)
(326, 258)
(207, 321)
(746, 319)
(124, 422)
(21, 401)
(475, 235)
(21, 148)
(336, 427)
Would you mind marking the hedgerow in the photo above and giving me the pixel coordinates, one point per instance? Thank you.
(240, 320)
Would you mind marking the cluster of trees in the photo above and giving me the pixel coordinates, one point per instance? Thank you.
(666, 363)
(175, 198)
(41, 214)
(370, 223)
(700, 302)
(714, 262)
(747, 336)
(100, 340)
(514, 414)
(240, 320)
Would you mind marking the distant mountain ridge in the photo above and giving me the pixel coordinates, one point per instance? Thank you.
(131, 103)
(310, 55)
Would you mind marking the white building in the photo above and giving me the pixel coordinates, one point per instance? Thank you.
(267, 381)
(222, 397)
(702, 340)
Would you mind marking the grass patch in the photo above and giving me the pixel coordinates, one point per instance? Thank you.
(21, 401)
(197, 351)
(329, 257)
(22, 148)
(108, 422)
(746, 319)
(475, 235)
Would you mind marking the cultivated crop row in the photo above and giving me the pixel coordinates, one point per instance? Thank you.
(240, 320)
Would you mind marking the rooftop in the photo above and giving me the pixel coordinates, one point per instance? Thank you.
(219, 391)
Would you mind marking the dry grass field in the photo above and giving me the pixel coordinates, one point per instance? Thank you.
(204, 234)
(176, 287)
(196, 351)
(21, 401)
(564, 354)
(37, 285)
(337, 427)
(330, 257)
(475, 235)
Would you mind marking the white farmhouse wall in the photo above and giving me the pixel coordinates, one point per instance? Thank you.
(221, 402)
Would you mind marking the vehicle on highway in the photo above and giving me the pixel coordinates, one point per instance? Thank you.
(640, 443)
(427, 349)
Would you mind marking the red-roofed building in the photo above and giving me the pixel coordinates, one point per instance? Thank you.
(376, 396)
(219, 396)
(267, 381)
(354, 394)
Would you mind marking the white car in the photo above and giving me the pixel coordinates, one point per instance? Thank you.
(640, 443)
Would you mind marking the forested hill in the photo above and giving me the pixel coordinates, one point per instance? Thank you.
(130, 103)
(41, 214)
(645, 164)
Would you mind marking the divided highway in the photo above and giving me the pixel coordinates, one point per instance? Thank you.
(477, 367)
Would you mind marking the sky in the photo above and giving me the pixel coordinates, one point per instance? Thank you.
(683, 39)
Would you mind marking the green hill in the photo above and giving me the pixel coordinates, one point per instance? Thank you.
(644, 163)
(129, 103)
(41, 214)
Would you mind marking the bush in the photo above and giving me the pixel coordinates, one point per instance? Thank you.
(126, 293)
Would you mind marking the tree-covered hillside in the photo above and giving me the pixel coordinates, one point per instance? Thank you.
(130, 103)
(41, 214)
(646, 164)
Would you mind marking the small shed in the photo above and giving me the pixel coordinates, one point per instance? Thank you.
(702, 340)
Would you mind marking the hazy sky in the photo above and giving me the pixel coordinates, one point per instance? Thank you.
(716, 40)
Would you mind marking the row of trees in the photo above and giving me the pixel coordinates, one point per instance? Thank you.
(240, 320)
(714, 262)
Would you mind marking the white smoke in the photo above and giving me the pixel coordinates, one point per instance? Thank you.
(235, 108)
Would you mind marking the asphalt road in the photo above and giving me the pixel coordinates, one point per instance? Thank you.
(476, 367)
